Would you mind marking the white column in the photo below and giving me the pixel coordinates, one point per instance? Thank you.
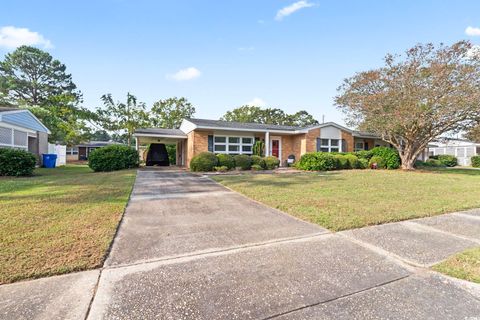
(136, 143)
(267, 144)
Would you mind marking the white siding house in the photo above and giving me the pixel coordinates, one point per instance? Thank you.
(464, 150)
(20, 129)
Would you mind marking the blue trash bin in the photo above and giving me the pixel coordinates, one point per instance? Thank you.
(49, 160)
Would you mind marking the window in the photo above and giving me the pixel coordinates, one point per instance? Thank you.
(359, 146)
(233, 145)
(72, 151)
(329, 145)
(20, 138)
(5, 136)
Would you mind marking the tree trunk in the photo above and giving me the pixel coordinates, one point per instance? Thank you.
(408, 162)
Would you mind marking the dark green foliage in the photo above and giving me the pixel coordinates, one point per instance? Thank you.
(362, 163)
(447, 160)
(378, 161)
(258, 148)
(256, 167)
(205, 161)
(172, 153)
(243, 161)
(114, 157)
(271, 162)
(221, 169)
(390, 156)
(226, 160)
(431, 163)
(476, 161)
(364, 154)
(14, 162)
(317, 161)
(258, 161)
(353, 162)
(342, 162)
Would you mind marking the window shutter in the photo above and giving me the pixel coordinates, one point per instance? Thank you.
(344, 145)
(319, 143)
(210, 143)
(366, 146)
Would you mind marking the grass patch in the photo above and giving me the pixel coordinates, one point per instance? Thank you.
(60, 220)
(465, 265)
(340, 200)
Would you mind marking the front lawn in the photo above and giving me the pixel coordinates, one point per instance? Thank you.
(465, 265)
(340, 200)
(59, 220)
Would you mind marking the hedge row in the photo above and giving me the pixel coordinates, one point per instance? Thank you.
(114, 157)
(207, 161)
(476, 161)
(14, 162)
(446, 160)
(379, 157)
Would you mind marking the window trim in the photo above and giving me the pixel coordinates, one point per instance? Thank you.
(359, 149)
(227, 143)
(329, 146)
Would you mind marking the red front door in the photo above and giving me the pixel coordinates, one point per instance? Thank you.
(276, 148)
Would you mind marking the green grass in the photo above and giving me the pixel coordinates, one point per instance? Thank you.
(60, 220)
(465, 265)
(340, 200)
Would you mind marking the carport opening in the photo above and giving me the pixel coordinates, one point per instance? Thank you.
(160, 149)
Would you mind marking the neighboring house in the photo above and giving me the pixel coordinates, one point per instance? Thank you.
(20, 129)
(81, 151)
(200, 135)
(464, 150)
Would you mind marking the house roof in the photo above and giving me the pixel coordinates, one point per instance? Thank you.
(220, 124)
(22, 118)
(92, 144)
(161, 131)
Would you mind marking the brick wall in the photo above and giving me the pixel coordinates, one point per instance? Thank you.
(348, 137)
(311, 140)
(197, 142)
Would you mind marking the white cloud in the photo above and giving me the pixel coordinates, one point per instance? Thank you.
(257, 102)
(472, 31)
(288, 10)
(13, 37)
(185, 74)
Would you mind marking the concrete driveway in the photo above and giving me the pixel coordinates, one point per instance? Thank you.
(189, 248)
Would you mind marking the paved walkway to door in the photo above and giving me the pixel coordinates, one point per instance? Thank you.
(188, 248)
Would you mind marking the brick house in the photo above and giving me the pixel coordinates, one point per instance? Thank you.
(200, 135)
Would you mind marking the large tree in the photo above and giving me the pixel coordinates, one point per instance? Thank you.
(415, 98)
(33, 76)
(169, 113)
(473, 133)
(123, 118)
(277, 116)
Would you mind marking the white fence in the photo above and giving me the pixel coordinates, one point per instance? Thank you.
(463, 153)
(60, 151)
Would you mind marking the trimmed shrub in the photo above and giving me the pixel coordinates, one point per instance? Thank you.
(364, 154)
(362, 163)
(258, 148)
(378, 161)
(221, 169)
(342, 162)
(257, 160)
(14, 162)
(390, 156)
(114, 157)
(447, 160)
(271, 162)
(476, 161)
(205, 161)
(257, 167)
(434, 163)
(317, 161)
(226, 160)
(353, 161)
(243, 161)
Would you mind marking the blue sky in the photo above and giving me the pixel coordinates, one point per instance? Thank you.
(223, 54)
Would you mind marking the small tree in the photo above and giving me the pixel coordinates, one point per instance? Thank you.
(120, 116)
(169, 113)
(408, 102)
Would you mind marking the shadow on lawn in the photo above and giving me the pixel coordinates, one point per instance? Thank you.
(462, 171)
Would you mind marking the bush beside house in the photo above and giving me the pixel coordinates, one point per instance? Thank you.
(226, 160)
(446, 160)
(475, 161)
(113, 157)
(205, 161)
(208, 161)
(14, 162)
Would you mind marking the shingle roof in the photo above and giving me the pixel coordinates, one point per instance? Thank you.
(240, 125)
(97, 143)
(161, 131)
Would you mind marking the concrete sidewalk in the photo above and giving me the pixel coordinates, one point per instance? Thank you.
(190, 249)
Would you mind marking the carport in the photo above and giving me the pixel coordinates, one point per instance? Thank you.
(144, 137)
